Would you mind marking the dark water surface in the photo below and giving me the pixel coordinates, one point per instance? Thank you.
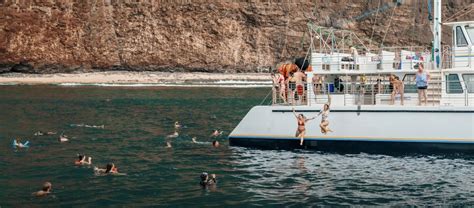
(137, 121)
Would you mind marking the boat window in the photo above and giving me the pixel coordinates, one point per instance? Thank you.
(460, 39)
(470, 32)
(469, 81)
(410, 86)
(453, 85)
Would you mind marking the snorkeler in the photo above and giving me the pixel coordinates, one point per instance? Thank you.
(206, 180)
(324, 117)
(44, 191)
(82, 160)
(215, 143)
(216, 133)
(301, 131)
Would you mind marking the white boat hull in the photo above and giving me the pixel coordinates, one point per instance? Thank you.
(403, 128)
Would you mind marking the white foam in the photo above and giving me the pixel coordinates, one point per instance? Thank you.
(243, 85)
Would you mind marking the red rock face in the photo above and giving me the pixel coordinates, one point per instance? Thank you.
(48, 36)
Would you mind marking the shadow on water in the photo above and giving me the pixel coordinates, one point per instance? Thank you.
(137, 121)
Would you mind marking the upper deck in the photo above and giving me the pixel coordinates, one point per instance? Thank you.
(360, 76)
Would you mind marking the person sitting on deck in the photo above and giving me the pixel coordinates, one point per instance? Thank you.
(324, 125)
(398, 88)
(301, 130)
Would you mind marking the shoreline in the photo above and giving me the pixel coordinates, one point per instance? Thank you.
(126, 78)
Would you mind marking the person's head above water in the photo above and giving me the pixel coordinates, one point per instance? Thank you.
(215, 143)
(204, 176)
(109, 167)
(47, 187)
(81, 157)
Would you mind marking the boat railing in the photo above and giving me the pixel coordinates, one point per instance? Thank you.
(379, 92)
(403, 59)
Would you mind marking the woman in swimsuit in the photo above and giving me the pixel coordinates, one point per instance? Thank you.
(398, 88)
(301, 131)
(324, 117)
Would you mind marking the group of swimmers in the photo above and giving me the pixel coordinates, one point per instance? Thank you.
(215, 134)
(206, 179)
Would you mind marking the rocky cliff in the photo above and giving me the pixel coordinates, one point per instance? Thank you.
(47, 36)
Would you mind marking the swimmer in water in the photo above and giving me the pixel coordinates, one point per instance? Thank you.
(301, 131)
(215, 143)
(174, 135)
(324, 125)
(50, 133)
(216, 133)
(206, 180)
(194, 139)
(39, 133)
(63, 138)
(44, 191)
(82, 160)
(168, 145)
(17, 143)
(177, 125)
(109, 169)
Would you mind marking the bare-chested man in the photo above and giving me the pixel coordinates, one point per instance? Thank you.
(300, 77)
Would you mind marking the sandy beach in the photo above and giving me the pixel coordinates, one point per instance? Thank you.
(124, 77)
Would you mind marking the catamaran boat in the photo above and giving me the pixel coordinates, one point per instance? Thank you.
(362, 117)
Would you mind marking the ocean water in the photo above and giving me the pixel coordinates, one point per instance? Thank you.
(137, 121)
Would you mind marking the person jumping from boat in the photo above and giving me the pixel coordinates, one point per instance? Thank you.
(301, 130)
(398, 88)
(324, 125)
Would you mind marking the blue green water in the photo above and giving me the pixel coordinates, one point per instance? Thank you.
(137, 121)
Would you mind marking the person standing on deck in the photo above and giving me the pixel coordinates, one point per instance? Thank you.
(422, 77)
(299, 78)
(317, 84)
(291, 83)
(398, 88)
(278, 88)
(354, 54)
(275, 87)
